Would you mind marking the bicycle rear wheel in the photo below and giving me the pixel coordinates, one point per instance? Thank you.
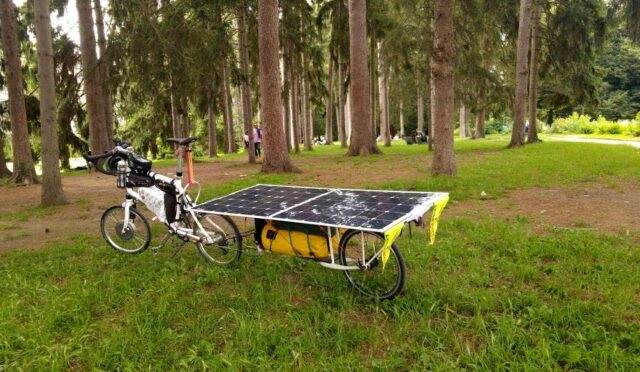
(374, 281)
(226, 245)
(132, 238)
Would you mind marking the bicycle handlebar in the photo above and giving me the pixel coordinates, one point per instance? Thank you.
(88, 157)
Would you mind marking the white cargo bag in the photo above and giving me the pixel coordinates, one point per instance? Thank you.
(153, 198)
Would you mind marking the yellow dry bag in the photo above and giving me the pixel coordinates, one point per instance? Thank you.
(292, 239)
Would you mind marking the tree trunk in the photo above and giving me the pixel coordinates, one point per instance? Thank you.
(52, 193)
(420, 110)
(244, 82)
(276, 157)
(444, 161)
(373, 68)
(211, 123)
(401, 109)
(533, 74)
(463, 120)
(348, 126)
(175, 119)
(287, 97)
(308, 114)
(479, 132)
(342, 101)
(4, 170)
(431, 90)
(23, 169)
(295, 111)
(388, 104)
(383, 96)
(185, 124)
(522, 72)
(304, 102)
(467, 117)
(328, 135)
(98, 133)
(360, 105)
(104, 70)
(227, 109)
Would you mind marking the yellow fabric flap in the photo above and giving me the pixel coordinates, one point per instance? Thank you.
(390, 236)
(438, 206)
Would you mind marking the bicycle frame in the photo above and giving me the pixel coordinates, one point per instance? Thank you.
(184, 201)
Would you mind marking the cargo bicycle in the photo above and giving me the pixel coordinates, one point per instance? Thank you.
(352, 231)
(127, 230)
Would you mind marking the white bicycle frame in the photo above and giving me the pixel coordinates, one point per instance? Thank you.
(184, 201)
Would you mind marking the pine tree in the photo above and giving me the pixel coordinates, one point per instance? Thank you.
(444, 161)
(522, 73)
(52, 193)
(23, 168)
(98, 132)
(362, 141)
(276, 157)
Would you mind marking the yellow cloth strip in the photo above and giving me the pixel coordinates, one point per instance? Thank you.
(438, 206)
(390, 236)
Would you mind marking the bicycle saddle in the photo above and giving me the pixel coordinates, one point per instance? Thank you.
(182, 141)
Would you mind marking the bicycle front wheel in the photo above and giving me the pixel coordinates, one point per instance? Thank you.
(225, 242)
(358, 248)
(134, 237)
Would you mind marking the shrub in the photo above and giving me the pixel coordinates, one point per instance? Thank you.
(634, 126)
(498, 126)
(607, 127)
(573, 124)
(584, 124)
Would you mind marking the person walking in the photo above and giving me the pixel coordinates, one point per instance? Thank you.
(246, 140)
(257, 139)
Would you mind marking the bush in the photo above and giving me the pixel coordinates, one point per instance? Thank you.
(607, 127)
(498, 126)
(573, 124)
(634, 126)
(584, 124)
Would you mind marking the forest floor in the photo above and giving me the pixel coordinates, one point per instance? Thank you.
(536, 266)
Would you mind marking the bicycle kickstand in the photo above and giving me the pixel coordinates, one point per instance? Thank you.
(178, 248)
(164, 241)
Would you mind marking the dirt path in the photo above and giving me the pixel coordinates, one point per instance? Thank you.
(603, 141)
(607, 208)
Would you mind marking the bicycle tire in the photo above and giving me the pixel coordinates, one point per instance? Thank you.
(357, 282)
(134, 215)
(231, 253)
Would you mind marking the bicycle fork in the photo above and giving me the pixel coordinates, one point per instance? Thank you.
(127, 207)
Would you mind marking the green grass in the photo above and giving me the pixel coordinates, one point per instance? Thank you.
(490, 294)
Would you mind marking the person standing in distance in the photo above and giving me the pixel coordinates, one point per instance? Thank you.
(257, 139)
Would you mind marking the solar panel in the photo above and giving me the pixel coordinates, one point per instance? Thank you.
(369, 210)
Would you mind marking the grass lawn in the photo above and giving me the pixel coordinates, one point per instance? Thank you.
(490, 294)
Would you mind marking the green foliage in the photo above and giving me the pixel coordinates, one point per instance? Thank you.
(584, 124)
(620, 90)
(500, 125)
